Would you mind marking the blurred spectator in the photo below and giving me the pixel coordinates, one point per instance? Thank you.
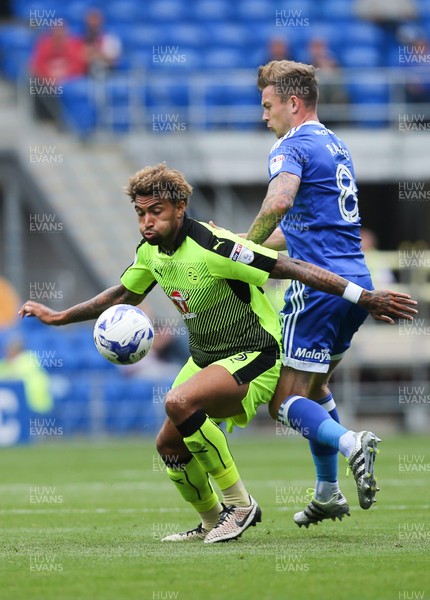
(58, 57)
(21, 365)
(388, 14)
(381, 274)
(331, 87)
(414, 54)
(278, 49)
(102, 49)
(9, 303)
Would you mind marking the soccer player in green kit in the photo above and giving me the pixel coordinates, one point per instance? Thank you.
(214, 278)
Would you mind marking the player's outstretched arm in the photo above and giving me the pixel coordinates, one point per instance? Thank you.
(84, 311)
(384, 305)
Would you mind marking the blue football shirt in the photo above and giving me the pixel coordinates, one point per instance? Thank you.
(323, 226)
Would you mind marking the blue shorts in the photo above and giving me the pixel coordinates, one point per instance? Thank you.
(318, 327)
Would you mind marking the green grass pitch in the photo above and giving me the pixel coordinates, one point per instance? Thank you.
(82, 520)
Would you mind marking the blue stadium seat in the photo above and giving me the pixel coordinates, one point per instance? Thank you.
(362, 34)
(190, 35)
(16, 44)
(228, 34)
(78, 106)
(360, 56)
(72, 409)
(146, 37)
(24, 8)
(122, 12)
(337, 11)
(370, 99)
(167, 94)
(130, 407)
(223, 58)
(225, 102)
(166, 11)
(75, 11)
(259, 11)
(423, 9)
(208, 11)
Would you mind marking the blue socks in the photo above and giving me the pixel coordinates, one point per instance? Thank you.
(325, 457)
(311, 420)
(319, 423)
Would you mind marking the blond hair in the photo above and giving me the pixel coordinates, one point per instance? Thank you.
(290, 78)
(161, 182)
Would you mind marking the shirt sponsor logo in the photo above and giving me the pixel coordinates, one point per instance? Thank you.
(242, 254)
(276, 163)
(181, 301)
(316, 355)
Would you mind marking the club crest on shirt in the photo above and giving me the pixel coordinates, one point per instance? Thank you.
(180, 299)
(242, 254)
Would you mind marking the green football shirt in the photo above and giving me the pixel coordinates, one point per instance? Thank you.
(214, 278)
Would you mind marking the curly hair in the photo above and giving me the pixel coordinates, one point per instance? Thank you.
(160, 182)
(290, 78)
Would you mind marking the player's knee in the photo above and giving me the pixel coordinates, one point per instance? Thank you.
(165, 447)
(160, 444)
(175, 404)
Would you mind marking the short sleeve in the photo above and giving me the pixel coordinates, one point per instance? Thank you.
(288, 157)
(137, 277)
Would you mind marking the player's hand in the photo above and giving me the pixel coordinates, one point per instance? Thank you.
(42, 312)
(387, 306)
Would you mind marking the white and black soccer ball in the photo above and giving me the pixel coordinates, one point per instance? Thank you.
(123, 334)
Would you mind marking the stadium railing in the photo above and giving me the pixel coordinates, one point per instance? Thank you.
(177, 100)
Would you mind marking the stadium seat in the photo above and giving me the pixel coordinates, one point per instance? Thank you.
(74, 12)
(146, 37)
(336, 11)
(16, 43)
(190, 35)
(24, 9)
(166, 11)
(208, 11)
(360, 56)
(129, 406)
(122, 12)
(79, 106)
(227, 35)
(223, 58)
(370, 97)
(362, 34)
(256, 11)
(72, 409)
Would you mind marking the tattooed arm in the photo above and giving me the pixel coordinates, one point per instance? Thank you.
(279, 199)
(90, 309)
(383, 305)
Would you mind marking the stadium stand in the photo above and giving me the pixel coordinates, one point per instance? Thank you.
(194, 72)
(216, 36)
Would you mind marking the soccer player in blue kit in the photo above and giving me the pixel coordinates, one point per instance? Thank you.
(311, 210)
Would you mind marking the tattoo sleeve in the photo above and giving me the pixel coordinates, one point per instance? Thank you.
(91, 309)
(309, 274)
(279, 199)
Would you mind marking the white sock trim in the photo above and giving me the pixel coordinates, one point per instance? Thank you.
(285, 407)
(329, 405)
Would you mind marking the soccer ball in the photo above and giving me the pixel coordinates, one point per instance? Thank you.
(123, 334)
